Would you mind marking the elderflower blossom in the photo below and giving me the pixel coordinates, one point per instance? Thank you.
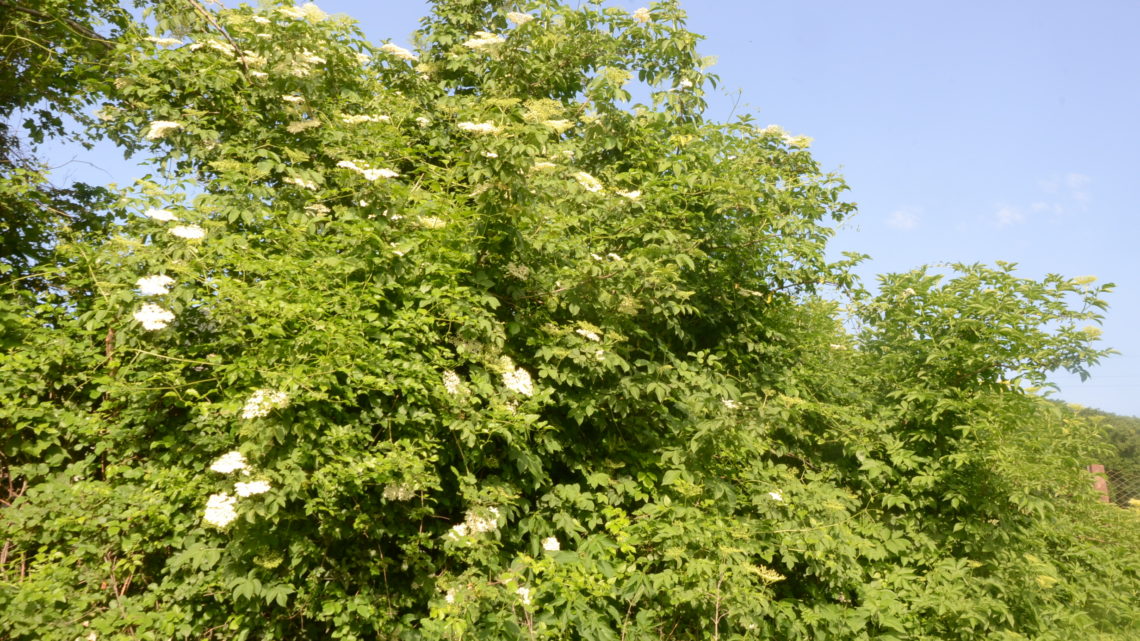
(730, 404)
(452, 383)
(357, 119)
(293, 98)
(229, 462)
(153, 317)
(154, 285)
(310, 58)
(524, 594)
(450, 596)
(251, 488)
(518, 380)
(483, 39)
(160, 128)
(300, 182)
(220, 510)
(477, 524)
(398, 51)
(398, 492)
(373, 174)
(189, 232)
(165, 42)
(642, 15)
(1083, 280)
(551, 544)
(614, 256)
(585, 333)
(776, 496)
(261, 20)
(291, 12)
(588, 182)
(559, 126)
(262, 401)
(482, 128)
(312, 12)
(543, 165)
(431, 222)
(301, 125)
(423, 121)
(632, 195)
(160, 215)
(519, 18)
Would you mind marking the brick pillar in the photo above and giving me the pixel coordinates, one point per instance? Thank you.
(1100, 482)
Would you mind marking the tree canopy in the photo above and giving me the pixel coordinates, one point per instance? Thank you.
(492, 335)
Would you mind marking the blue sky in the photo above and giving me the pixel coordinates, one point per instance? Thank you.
(970, 131)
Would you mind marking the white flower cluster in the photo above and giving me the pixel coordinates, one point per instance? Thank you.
(165, 42)
(517, 379)
(154, 285)
(229, 462)
(300, 182)
(262, 401)
(776, 496)
(585, 333)
(543, 165)
(368, 173)
(550, 544)
(398, 492)
(301, 125)
(524, 595)
(559, 126)
(153, 317)
(632, 195)
(519, 18)
(474, 524)
(188, 232)
(307, 11)
(293, 98)
(159, 129)
(730, 404)
(482, 128)
(251, 488)
(431, 222)
(221, 508)
(451, 383)
(642, 15)
(357, 119)
(483, 39)
(588, 182)
(397, 51)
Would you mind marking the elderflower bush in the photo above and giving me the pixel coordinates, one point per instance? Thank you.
(486, 354)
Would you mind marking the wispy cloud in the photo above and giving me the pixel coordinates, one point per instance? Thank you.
(1007, 215)
(904, 219)
(1062, 194)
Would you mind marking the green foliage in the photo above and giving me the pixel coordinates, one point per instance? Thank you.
(468, 346)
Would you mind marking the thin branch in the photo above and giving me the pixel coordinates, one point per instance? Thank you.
(210, 18)
(78, 27)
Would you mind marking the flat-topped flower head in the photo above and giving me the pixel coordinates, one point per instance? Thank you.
(189, 232)
(632, 195)
(483, 128)
(588, 182)
(398, 51)
(551, 544)
(220, 510)
(159, 128)
(518, 380)
(587, 334)
(482, 40)
(251, 488)
(776, 496)
(160, 215)
(262, 401)
(154, 285)
(165, 42)
(519, 18)
(153, 317)
(375, 174)
(451, 383)
(642, 15)
(229, 462)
